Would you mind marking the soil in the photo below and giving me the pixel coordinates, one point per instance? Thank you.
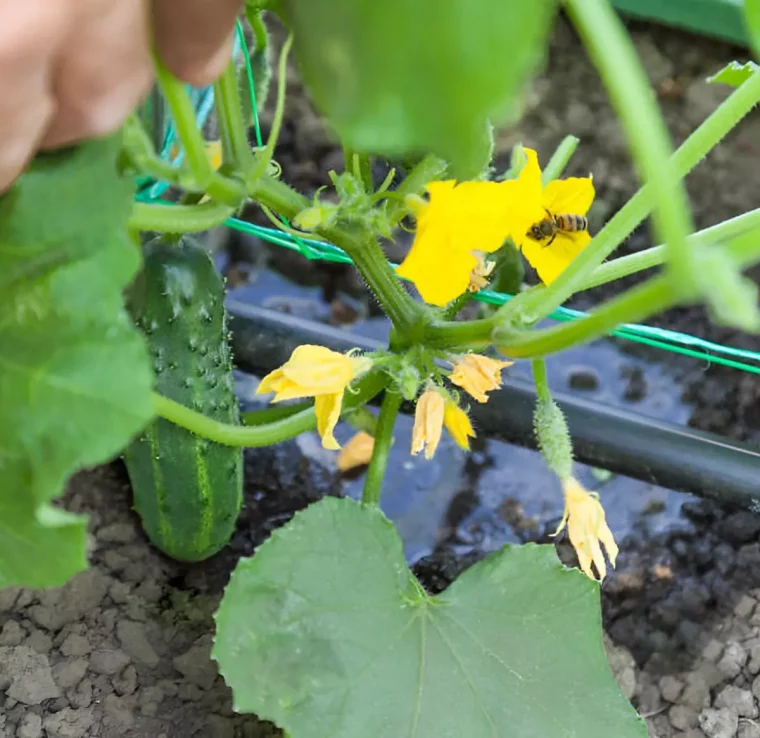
(123, 649)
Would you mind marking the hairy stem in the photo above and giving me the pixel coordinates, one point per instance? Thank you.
(383, 439)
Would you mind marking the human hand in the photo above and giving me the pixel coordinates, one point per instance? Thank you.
(75, 69)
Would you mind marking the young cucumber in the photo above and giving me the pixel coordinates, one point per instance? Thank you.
(187, 490)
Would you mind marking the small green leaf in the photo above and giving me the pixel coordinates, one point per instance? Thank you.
(407, 76)
(75, 378)
(326, 632)
(735, 74)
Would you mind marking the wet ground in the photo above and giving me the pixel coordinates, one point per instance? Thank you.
(123, 649)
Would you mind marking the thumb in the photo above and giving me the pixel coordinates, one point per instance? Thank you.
(194, 37)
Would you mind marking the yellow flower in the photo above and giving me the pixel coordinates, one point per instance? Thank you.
(434, 410)
(357, 452)
(458, 220)
(587, 528)
(315, 371)
(480, 272)
(572, 196)
(477, 375)
(458, 424)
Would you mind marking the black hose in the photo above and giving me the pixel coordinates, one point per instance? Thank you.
(655, 451)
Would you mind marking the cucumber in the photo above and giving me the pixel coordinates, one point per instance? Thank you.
(187, 490)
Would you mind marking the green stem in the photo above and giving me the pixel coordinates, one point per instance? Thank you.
(560, 159)
(459, 335)
(541, 379)
(367, 256)
(537, 303)
(655, 256)
(454, 307)
(218, 187)
(178, 218)
(428, 169)
(635, 304)
(256, 22)
(229, 110)
(265, 434)
(273, 412)
(615, 57)
(383, 439)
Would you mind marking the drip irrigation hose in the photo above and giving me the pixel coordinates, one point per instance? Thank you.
(624, 442)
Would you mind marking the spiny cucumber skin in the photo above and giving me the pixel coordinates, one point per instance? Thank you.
(187, 490)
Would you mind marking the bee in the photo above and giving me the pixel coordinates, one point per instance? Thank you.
(551, 225)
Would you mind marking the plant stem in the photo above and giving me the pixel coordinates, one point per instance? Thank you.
(262, 434)
(560, 159)
(428, 169)
(635, 304)
(229, 110)
(206, 180)
(537, 303)
(617, 62)
(367, 256)
(541, 379)
(255, 21)
(228, 434)
(459, 335)
(178, 218)
(383, 439)
(625, 265)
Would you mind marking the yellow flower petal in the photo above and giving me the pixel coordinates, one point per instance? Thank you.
(312, 371)
(550, 261)
(458, 424)
(477, 375)
(357, 452)
(573, 195)
(428, 423)
(587, 528)
(327, 410)
(461, 219)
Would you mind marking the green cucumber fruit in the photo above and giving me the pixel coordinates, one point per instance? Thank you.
(187, 490)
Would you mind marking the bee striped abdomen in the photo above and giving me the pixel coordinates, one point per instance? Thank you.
(571, 223)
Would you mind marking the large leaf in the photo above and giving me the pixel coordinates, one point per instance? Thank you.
(752, 20)
(326, 632)
(75, 378)
(404, 76)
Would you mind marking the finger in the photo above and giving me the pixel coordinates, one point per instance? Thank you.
(103, 72)
(194, 37)
(30, 35)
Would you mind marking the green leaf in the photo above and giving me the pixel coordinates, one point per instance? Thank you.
(752, 20)
(735, 74)
(326, 632)
(407, 76)
(75, 378)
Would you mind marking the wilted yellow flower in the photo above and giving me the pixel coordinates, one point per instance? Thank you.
(477, 375)
(357, 452)
(458, 220)
(434, 410)
(572, 196)
(587, 528)
(318, 372)
(458, 424)
(480, 272)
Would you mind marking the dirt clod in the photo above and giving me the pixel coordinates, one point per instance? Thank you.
(718, 723)
(108, 661)
(69, 723)
(134, 641)
(26, 675)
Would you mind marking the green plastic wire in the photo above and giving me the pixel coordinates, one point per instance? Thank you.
(673, 341)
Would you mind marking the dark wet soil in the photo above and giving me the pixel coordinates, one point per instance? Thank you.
(123, 650)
